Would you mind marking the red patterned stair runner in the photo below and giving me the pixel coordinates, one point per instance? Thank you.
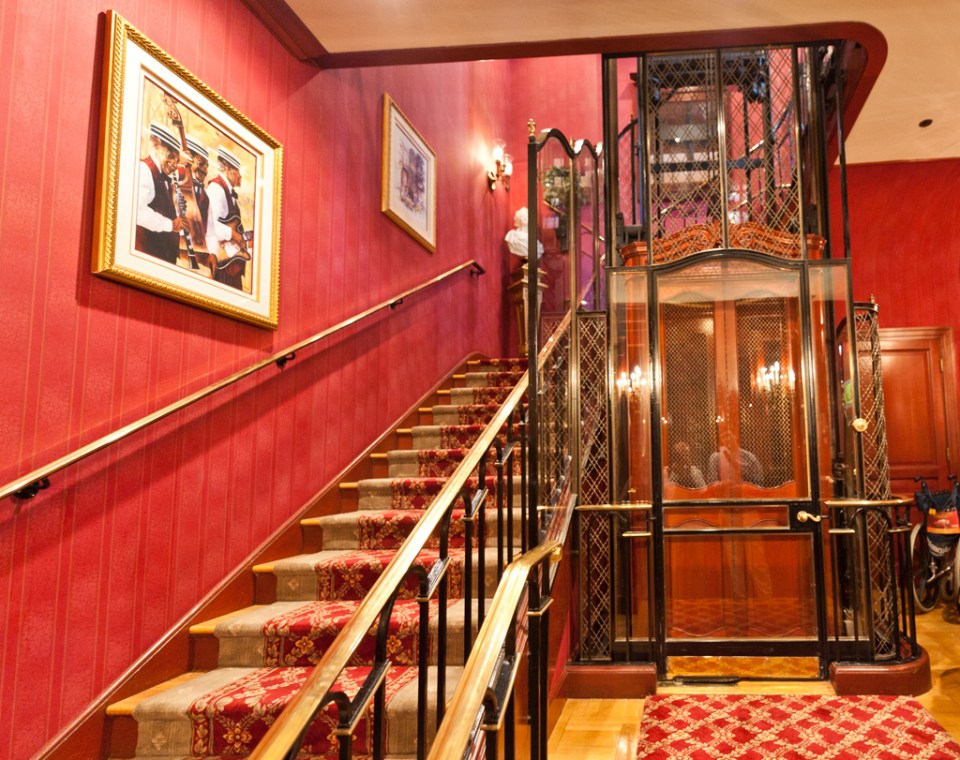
(477, 413)
(352, 574)
(440, 463)
(491, 394)
(506, 379)
(233, 719)
(504, 362)
(462, 436)
(388, 529)
(300, 637)
(417, 493)
(228, 722)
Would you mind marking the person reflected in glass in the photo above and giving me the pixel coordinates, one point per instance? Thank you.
(681, 470)
(731, 462)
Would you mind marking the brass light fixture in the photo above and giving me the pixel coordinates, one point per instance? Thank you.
(502, 166)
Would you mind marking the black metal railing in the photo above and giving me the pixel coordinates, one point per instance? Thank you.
(483, 707)
(872, 610)
(486, 472)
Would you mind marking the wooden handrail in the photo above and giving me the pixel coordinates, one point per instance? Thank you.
(30, 480)
(454, 733)
(294, 719)
(282, 735)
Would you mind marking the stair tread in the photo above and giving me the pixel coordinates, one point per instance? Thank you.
(207, 627)
(297, 633)
(127, 705)
(167, 721)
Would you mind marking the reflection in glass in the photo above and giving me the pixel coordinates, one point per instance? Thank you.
(732, 410)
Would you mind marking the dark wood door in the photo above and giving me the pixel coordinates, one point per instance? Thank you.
(919, 388)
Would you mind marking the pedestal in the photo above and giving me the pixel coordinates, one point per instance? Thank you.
(518, 292)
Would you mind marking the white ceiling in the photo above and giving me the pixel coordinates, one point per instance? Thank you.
(920, 79)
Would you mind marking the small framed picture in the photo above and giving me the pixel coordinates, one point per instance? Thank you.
(409, 185)
(188, 188)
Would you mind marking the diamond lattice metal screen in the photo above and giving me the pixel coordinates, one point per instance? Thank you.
(876, 483)
(876, 462)
(554, 409)
(760, 124)
(596, 584)
(594, 480)
(721, 127)
(685, 146)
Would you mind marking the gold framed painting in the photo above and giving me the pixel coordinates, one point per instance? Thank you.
(409, 183)
(188, 188)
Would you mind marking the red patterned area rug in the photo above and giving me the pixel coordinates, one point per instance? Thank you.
(757, 727)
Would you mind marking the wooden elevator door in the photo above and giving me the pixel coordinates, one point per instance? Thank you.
(919, 388)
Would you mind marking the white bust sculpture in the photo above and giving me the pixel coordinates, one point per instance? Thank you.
(517, 237)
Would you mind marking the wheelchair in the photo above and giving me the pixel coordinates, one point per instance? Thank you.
(935, 569)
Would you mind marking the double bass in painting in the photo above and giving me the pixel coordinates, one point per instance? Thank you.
(189, 193)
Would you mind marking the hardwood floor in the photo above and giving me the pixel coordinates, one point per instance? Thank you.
(605, 729)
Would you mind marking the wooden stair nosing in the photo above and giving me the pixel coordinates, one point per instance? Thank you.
(126, 706)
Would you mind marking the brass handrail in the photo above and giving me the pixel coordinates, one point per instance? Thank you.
(841, 503)
(296, 716)
(454, 733)
(280, 358)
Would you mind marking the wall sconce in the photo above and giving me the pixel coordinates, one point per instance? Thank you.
(502, 166)
(632, 383)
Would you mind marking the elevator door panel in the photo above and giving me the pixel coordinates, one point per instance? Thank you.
(737, 567)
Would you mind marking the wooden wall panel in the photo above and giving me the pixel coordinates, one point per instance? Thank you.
(905, 245)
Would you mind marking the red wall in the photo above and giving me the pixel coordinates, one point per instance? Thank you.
(95, 569)
(905, 240)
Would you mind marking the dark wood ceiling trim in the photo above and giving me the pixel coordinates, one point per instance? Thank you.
(864, 46)
(287, 27)
(864, 34)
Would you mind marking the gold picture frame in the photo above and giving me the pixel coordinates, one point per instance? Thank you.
(164, 222)
(409, 180)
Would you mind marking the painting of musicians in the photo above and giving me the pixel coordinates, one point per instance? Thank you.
(176, 191)
(188, 187)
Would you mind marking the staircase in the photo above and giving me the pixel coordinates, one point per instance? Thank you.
(250, 663)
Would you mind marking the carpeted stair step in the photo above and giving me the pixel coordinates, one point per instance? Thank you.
(298, 634)
(409, 493)
(433, 463)
(379, 529)
(225, 712)
(492, 379)
(447, 436)
(497, 365)
(337, 575)
(480, 395)
(464, 414)
(386, 529)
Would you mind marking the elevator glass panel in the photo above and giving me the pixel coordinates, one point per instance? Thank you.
(738, 563)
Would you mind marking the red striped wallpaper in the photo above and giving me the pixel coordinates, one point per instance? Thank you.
(97, 568)
(905, 240)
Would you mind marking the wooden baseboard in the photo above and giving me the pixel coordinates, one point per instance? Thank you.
(906, 679)
(609, 681)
